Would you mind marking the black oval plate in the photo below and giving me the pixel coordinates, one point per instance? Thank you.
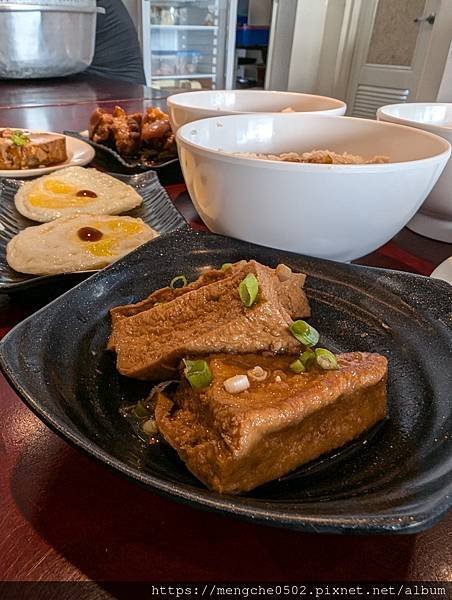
(399, 479)
(168, 171)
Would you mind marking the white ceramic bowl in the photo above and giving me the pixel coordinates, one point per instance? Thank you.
(191, 106)
(434, 219)
(339, 212)
(444, 271)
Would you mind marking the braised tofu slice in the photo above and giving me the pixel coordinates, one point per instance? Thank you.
(36, 150)
(234, 442)
(150, 341)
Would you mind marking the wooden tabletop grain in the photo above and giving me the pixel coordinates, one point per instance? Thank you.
(65, 517)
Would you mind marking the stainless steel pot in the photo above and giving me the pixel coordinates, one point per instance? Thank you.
(46, 38)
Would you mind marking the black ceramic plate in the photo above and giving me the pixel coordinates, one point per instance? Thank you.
(168, 171)
(399, 479)
(157, 211)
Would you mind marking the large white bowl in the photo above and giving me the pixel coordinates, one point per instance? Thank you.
(435, 217)
(191, 106)
(339, 212)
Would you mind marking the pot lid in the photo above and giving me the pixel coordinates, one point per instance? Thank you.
(58, 5)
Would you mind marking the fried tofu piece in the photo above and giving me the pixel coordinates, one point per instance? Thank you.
(40, 150)
(208, 317)
(236, 442)
(165, 294)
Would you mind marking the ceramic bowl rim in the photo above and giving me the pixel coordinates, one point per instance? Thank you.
(440, 130)
(173, 101)
(182, 138)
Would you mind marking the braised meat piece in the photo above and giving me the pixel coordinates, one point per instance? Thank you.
(206, 319)
(101, 127)
(133, 135)
(118, 130)
(156, 130)
(234, 442)
(156, 125)
(126, 131)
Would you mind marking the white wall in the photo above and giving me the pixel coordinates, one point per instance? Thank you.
(323, 45)
(307, 45)
(445, 89)
(259, 12)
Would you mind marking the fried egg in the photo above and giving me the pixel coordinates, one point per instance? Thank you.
(76, 243)
(74, 191)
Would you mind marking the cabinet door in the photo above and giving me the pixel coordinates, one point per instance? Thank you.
(394, 39)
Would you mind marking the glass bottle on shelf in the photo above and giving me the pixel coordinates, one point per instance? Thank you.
(169, 16)
(209, 19)
(183, 16)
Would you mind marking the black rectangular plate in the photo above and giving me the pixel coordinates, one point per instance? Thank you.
(157, 211)
(399, 479)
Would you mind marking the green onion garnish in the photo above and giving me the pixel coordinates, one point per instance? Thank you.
(297, 366)
(248, 290)
(198, 373)
(304, 333)
(178, 282)
(226, 266)
(140, 410)
(307, 357)
(19, 138)
(325, 359)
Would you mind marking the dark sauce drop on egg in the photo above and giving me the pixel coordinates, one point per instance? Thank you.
(89, 234)
(86, 194)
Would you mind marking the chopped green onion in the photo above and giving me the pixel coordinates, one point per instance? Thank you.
(297, 366)
(226, 266)
(325, 359)
(140, 410)
(307, 357)
(248, 290)
(19, 138)
(198, 373)
(304, 333)
(180, 279)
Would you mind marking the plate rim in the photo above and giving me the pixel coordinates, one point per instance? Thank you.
(117, 157)
(418, 520)
(26, 173)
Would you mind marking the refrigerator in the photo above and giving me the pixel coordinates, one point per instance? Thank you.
(188, 44)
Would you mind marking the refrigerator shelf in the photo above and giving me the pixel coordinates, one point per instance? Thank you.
(189, 76)
(179, 3)
(185, 27)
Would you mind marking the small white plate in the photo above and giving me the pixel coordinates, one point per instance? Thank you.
(444, 271)
(79, 153)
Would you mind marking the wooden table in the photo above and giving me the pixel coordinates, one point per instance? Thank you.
(65, 517)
